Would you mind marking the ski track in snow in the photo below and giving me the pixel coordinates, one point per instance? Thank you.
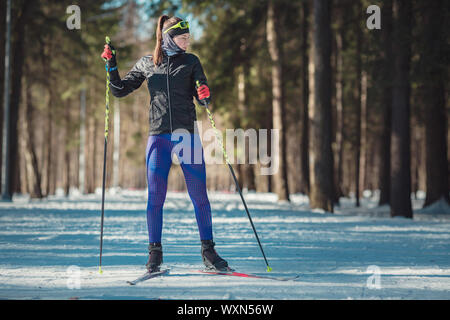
(41, 240)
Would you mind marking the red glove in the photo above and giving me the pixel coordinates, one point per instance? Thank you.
(107, 53)
(203, 92)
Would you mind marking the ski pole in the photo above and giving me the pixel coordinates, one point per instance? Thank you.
(108, 41)
(219, 137)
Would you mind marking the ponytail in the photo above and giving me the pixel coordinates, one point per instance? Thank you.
(157, 54)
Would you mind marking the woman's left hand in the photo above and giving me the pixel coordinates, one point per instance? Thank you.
(203, 92)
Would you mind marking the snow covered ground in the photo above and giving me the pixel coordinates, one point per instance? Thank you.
(49, 249)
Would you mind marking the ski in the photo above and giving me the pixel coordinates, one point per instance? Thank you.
(148, 275)
(246, 275)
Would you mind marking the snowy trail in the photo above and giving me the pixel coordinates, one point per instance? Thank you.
(40, 240)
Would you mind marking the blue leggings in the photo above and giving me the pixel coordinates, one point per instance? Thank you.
(159, 160)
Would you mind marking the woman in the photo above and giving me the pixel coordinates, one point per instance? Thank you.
(171, 76)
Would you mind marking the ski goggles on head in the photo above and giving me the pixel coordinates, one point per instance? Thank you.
(177, 29)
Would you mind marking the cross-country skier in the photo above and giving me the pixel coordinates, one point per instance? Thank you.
(171, 75)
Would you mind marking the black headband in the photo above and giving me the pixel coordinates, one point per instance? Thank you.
(177, 32)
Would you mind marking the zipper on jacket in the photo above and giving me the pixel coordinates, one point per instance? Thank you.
(168, 93)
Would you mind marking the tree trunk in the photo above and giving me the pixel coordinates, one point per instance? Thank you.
(94, 155)
(247, 168)
(18, 57)
(67, 148)
(279, 123)
(82, 155)
(340, 47)
(433, 76)
(49, 147)
(357, 99)
(305, 185)
(239, 123)
(2, 71)
(92, 147)
(45, 58)
(365, 150)
(269, 125)
(36, 190)
(386, 100)
(239, 168)
(400, 143)
(321, 163)
(116, 152)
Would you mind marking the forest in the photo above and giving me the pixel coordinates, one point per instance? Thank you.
(356, 89)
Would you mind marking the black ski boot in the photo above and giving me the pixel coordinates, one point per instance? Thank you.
(155, 257)
(211, 259)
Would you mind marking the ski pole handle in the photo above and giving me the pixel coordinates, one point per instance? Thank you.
(108, 42)
(107, 56)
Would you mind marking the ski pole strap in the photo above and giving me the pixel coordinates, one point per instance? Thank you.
(110, 69)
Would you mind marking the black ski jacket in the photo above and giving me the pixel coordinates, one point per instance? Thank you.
(171, 86)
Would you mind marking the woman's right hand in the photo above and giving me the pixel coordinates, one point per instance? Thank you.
(109, 55)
